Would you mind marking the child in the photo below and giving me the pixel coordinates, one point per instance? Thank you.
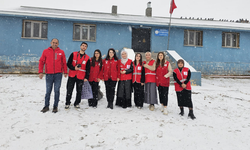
(183, 88)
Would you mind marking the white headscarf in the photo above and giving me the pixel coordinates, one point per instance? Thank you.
(123, 61)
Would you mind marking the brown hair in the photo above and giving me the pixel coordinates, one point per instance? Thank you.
(140, 61)
(158, 62)
(180, 61)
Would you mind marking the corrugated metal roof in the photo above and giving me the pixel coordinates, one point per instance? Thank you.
(121, 18)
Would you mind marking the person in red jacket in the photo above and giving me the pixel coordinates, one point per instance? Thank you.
(125, 68)
(55, 64)
(182, 85)
(150, 81)
(95, 76)
(138, 81)
(163, 72)
(110, 75)
(79, 67)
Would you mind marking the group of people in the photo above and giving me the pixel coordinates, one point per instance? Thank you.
(138, 77)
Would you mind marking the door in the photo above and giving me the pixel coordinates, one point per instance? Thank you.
(141, 39)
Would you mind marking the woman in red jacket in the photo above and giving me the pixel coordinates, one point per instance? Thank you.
(125, 67)
(110, 75)
(163, 72)
(95, 76)
(182, 85)
(138, 81)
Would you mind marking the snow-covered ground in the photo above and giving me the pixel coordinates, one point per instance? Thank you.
(220, 105)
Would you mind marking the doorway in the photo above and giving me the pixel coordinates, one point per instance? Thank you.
(141, 39)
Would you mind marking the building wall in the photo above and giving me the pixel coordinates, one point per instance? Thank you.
(212, 58)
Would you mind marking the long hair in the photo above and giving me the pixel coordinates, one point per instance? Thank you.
(93, 59)
(140, 61)
(158, 62)
(115, 57)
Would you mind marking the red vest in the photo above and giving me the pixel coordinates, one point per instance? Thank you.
(137, 70)
(160, 72)
(110, 69)
(182, 76)
(123, 67)
(95, 72)
(150, 75)
(80, 74)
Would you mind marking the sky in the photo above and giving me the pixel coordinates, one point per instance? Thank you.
(217, 9)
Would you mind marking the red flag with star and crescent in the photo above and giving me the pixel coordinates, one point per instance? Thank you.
(172, 7)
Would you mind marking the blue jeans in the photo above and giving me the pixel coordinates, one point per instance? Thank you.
(51, 79)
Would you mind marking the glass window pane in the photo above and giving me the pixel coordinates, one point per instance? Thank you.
(36, 29)
(223, 39)
(228, 39)
(84, 32)
(27, 31)
(185, 37)
(44, 30)
(234, 39)
(198, 38)
(92, 33)
(77, 32)
(191, 37)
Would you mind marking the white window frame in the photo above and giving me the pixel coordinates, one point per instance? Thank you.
(224, 40)
(88, 32)
(194, 40)
(32, 31)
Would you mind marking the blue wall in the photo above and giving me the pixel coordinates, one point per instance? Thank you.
(21, 55)
(212, 58)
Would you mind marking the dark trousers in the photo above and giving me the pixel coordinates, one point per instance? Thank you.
(51, 79)
(163, 95)
(94, 100)
(70, 86)
(110, 90)
(138, 94)
(184, 98)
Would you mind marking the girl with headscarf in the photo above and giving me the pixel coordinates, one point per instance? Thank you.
(182, 85)
(125, 67)
(150, 81)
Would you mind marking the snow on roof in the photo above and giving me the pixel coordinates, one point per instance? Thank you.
(122, 18)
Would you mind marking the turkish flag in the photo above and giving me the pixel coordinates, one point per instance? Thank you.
(172, 7)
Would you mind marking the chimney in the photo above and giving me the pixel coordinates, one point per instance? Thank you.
(149, 10)
(114, 10)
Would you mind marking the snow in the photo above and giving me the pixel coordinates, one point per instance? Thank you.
(176, 56)
(220, 105)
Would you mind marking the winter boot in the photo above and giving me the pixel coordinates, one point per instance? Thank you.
(152, 108)
(191, 114)
(45, 109)
(55, 110)
(182, 111)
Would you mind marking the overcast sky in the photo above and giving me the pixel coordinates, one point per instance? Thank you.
(218, 9)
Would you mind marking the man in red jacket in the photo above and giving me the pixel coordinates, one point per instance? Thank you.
(55, 64)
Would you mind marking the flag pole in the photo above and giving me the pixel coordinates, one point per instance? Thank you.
(169, 28)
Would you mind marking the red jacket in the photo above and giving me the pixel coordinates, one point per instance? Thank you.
(160, 72)
(150, 75)
(110, 69)
(137, 72)
(95, 72)
(54, 60)
(182, 76)
(122, 67)
(80, 74)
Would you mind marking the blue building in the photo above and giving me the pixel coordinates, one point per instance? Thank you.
(212, 47)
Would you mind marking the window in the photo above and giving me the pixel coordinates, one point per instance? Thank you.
(230, 39)
(35, 29)
(193, 38)
(84, 32)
